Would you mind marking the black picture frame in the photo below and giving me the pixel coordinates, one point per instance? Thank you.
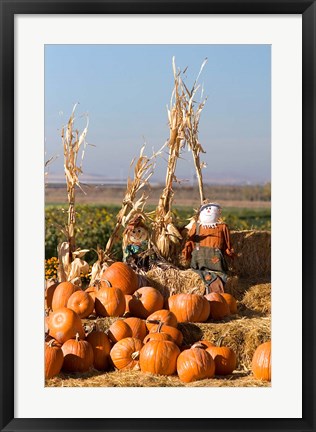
(7, 211)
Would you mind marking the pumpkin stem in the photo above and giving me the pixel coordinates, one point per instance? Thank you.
(159, 326)
(77, 336)
(107, 282)
(135, 355)
(220, 341)
(153, 321)
(199, 345)
(137, 295)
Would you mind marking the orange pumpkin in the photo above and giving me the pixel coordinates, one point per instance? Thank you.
(101, 347)
(189, 307)
(49, 292)
(109, 302)
(64, 324)
(225, 359)
(145, 301)
(125, 353)
(231, 301)
(62, 293)
(261, 362)
(195, 364)
(119, 330)
(78, 355)
(163, 316)
(159, 357)
(122, 276)
(176, 334)
(138, 327)
(53, 358)
(157, 336)
(219, 308)
(81, 302)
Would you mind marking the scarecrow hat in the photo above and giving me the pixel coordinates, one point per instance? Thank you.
(213, 204)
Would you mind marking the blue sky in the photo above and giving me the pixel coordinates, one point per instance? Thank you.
(125, 89)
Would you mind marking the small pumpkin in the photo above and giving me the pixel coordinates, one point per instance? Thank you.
(54, 358)
(125, 353)
(231, 301)
(159, 357)
(62, 293)
(64, 324)
(261, 362)
(109, 302)
(145, 301)
(138, 327)
(163, 316)
(78, 355)
(101, 347)
(225, 359)
(195, 364)
(121, 275)
(119, 330)
(189, 307)
(219, 308)
(82, 303)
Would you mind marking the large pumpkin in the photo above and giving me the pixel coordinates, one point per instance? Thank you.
(219, 308)
(82, 303)
(231, 301)
(163, 316)
(62, 293)
(78, 355)
(101, 347)
(189, 307)
(261, 362)
(125, 353)
(159, 357)
(119, 330)
(64, 324)
(145, 301)
(53, 358)
(138, 327)
(109, 302)
(122, 276)
(195, 364)
(225, 359)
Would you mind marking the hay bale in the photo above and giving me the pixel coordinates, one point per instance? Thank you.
(258, 298)
(253, 249)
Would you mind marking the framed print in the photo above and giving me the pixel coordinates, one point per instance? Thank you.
(84, 85)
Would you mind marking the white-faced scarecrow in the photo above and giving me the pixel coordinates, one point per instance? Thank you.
(135, 243)
(208, 243)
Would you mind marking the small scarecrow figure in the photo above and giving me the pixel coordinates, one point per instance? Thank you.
(208, 242)
(135, 242)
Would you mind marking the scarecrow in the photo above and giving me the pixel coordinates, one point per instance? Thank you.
(208, 243)
(135, 243)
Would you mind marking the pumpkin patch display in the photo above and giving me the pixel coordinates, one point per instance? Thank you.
(195, 364)
(163, 316)
(225, 359)
(110, 302)
(125, 353)
(64, 324)
(261, 362)
(138, 327)
(82, 303)
(62, 293)
(119, 330)
(101, 347)
(78, 355)
(145, 301)
(219, 308)
(54, 358)
(121, 275)
(159, 357)
(189, 307)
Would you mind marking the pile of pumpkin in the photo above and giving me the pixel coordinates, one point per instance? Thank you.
(145, 339)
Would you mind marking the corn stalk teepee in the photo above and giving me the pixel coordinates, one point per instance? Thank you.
(183, 130)
(71, 264)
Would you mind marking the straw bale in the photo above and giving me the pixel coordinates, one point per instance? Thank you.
(127, 378)
(258, 299)
(253, 249)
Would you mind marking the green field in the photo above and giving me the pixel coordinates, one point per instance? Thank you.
(95, 224)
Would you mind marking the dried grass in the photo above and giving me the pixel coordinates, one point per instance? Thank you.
(258, 299)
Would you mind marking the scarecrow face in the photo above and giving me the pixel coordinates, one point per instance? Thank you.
(210, 214)
(137, 234)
